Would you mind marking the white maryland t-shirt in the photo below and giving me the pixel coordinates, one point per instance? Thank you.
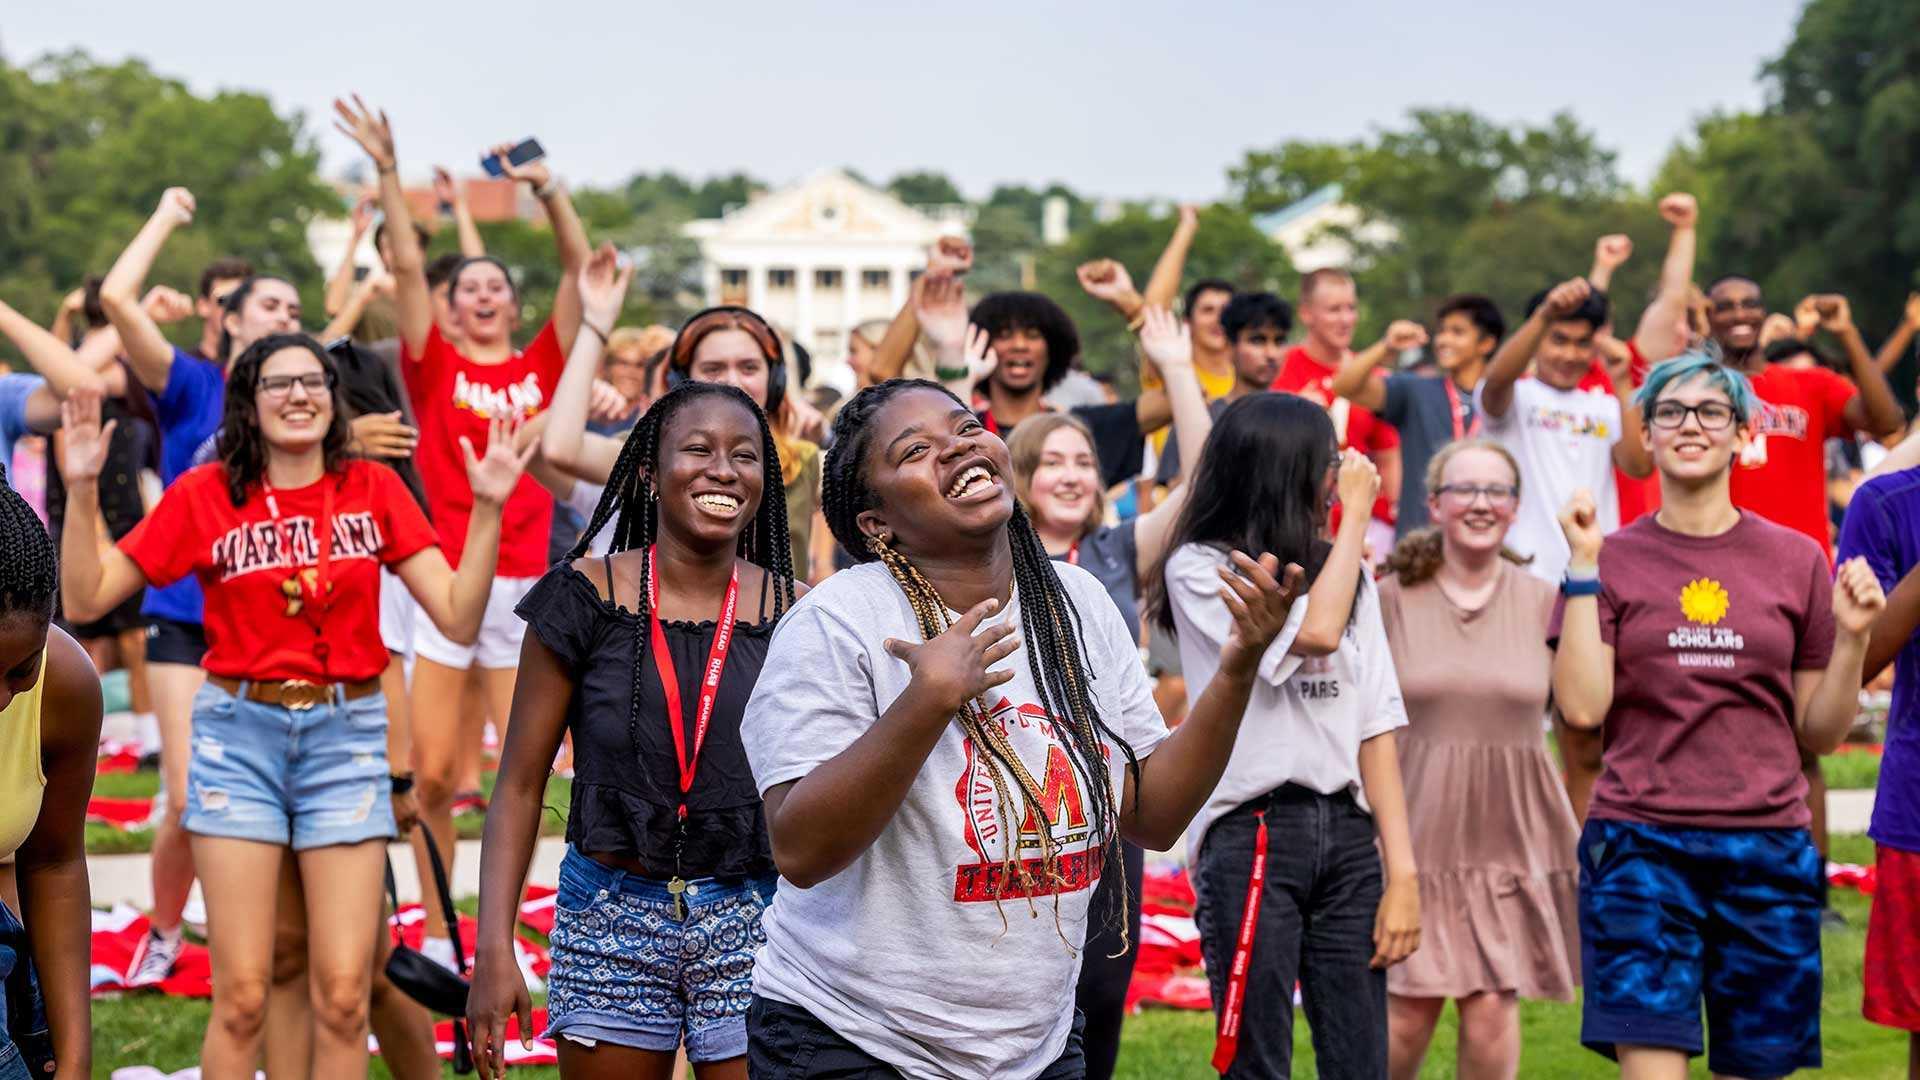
(1563, 440)
(905, 953)
(1307, 716)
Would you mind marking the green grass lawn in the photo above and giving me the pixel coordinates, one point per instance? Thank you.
(143, 1029)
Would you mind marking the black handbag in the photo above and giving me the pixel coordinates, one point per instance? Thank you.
(425, 980)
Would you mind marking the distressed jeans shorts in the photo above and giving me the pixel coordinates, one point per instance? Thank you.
(306, 778)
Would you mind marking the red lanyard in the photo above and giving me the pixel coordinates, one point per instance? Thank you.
(984, 410)
(1227, 1043)
(299, 596)
(1457, 410)
(1073, 554)
(670, 682)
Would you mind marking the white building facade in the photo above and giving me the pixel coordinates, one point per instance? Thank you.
(821, 257)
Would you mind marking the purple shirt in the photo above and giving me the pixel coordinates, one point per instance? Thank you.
(1883, 524)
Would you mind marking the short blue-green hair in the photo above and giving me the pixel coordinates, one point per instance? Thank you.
(1684, 368)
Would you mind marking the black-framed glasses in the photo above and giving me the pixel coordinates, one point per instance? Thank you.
(316, 383)
(1713, 415)
(1495, 494)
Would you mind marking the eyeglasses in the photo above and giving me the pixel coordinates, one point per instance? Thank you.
(276, 387)
(1713, 415)
(1495, 494)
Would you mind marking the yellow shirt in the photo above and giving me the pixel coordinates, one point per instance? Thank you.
(22, 783)
(1213, 386)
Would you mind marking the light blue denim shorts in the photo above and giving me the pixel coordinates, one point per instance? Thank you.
(306, 778)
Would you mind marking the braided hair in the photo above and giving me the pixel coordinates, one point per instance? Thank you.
(633, 505)
(30, 573)
(1050, 626)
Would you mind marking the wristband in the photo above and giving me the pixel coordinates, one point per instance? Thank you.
(548, 192)
(597, 332)
(1138, 321)
(402, 782)
(945, 374)
(1571, 586)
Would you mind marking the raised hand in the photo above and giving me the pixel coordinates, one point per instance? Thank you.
(1612, 250)
(1358, 483)
(177, 206)
(85, 453)
(363, 210)
(1836, 315)
(1776, 327)
(1857, 597)
(1617, 357)
(1404, 334)
(979, 355)
(953, 668)
(382, 435)
(1165, 339)
(164, 305)
(534, 174)
(941, 308)
(603, 287)
(494, 474)
(368, 128)
(1258, 595)
(606, 404)
(1105, 279)
(1188, 216)
(802, 420)
(499, 991)
(443, 189)
(1567, 297)
(949, 256)
(1580, 522)
(71, 303)
(1806, 316)
(1680, 210)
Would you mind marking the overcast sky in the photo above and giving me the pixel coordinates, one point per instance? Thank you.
(1121, 98)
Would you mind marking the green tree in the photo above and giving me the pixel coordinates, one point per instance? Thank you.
(86, 148)
(924, 188)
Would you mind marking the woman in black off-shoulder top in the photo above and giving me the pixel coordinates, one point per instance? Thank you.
(668, 866)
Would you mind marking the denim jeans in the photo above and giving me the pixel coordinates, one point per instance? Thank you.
(21, 1007)
(1322, 891)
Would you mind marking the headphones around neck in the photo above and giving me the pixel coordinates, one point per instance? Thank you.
(776, 367)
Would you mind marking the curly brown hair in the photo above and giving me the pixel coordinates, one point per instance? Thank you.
(241, 446)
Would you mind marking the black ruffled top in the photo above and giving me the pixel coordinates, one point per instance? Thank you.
(626, 784)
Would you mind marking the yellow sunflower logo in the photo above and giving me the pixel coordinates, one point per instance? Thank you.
(1703, 601)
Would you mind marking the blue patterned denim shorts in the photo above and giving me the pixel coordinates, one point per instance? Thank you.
(627, 971)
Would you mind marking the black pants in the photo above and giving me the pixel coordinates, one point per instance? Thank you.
(786, 1042)
(1102, 994)
(1323, 887)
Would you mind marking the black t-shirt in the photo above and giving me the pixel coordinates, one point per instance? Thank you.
(370, 383)
(626, 782)
(1169, 469)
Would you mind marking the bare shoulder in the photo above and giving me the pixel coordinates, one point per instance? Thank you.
(70, 710)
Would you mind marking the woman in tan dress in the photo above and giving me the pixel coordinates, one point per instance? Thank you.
(1493, 832)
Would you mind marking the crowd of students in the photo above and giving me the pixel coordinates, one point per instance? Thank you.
(873, 706)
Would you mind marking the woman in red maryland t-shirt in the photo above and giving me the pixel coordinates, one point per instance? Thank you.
(458, 392)
(290, 731)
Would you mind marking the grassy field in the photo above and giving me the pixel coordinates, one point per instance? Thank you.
(1161, 1045)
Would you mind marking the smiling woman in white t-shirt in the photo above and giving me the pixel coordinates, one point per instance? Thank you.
(944, 790)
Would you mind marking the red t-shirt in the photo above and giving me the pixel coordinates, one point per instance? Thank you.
(453, 396)
(1707, 632)
(1352, 425)
(239, 556)
(1640, 496)
(1783, 474)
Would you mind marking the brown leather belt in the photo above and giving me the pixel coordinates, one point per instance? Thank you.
(297, 694)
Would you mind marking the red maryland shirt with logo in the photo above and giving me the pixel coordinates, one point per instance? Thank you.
(1782, 476)
(243, 559)
(454, 397)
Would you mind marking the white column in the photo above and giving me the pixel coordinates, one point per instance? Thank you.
(803, 304)
(710, 281)
(897, 284)
(757, 286)
(850, 295)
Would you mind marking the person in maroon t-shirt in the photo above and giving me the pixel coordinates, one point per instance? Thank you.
(1329, 308)
(286, 534)
(457, 393)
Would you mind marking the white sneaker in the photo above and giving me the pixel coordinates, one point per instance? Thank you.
(153, 959)
(440, 951)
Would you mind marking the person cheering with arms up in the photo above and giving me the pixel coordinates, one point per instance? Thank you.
(1711, 644)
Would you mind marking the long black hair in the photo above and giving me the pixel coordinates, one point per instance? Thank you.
(30, 571)
(241, 445)
(1050, 626)
(632, 503)
(1260, 486)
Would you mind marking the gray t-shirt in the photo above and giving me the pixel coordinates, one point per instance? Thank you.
(1112, 555)
(1419, 407)
(905, 953)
